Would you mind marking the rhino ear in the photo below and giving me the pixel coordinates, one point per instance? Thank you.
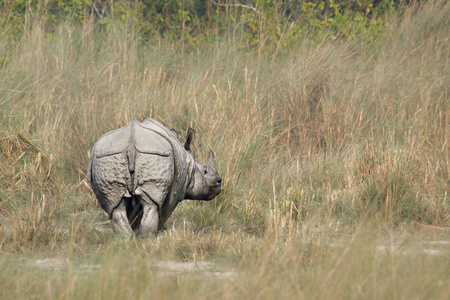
(211, 157)
(189, 138)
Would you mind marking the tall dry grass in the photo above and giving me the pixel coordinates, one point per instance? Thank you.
(321, 148)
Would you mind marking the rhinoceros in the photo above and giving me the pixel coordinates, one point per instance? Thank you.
(140, 172)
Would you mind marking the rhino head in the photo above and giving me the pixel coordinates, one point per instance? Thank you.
(205, 182)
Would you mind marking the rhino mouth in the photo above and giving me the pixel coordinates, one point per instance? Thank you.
(214, 191)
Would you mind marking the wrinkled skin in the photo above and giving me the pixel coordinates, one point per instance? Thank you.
(140, 172)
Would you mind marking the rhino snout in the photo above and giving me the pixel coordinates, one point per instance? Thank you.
(215, 182)
(217, 186)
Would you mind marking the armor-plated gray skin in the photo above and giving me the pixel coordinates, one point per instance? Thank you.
(139, 173)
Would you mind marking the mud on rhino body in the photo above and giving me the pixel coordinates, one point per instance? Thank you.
(140, 172)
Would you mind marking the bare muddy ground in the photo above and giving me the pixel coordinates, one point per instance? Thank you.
(209, 268)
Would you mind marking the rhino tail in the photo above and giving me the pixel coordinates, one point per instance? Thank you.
(131, 154)
(131, 157)
(131, 149)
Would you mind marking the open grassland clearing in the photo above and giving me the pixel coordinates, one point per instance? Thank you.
(334, 155)
(307, 267)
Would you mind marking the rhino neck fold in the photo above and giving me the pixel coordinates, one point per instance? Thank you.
(190, 182)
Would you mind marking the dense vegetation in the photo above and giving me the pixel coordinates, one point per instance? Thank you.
(268, 23)
(330, 123)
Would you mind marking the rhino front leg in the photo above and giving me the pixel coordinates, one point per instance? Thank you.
(119, 220)
(150, 218)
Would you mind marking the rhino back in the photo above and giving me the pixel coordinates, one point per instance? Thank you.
(150, 142)
(113, 142)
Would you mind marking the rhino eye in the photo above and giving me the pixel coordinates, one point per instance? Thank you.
(205, 171)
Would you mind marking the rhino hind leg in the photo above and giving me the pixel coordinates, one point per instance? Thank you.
(119, 220)
(134, 212)
(148, 226)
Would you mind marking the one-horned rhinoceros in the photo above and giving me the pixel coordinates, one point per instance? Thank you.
(140, 172)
